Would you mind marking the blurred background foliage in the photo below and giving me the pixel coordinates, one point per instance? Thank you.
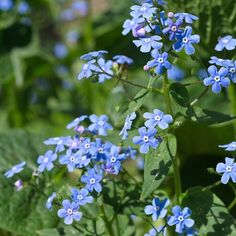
(40, 48)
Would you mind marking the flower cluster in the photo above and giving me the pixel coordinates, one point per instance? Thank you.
(221, 71)
(227, 169)
(96, 65)
(147, 134)
(155, 32)
(179, 218)
(22, 8)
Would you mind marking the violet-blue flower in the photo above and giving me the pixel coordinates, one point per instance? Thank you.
(121, 59)
(227, 42)
(127, 125)
(157, 209)
(105, 70)
(15, 169)
(188, 18)
(69, 212)
(186, 40)
(60, 50)
(217, 79)
(46, 161)
(228, 169)
(93, 55)
(175, 73)
(131, 25)
(50, 201)
(87, 146)
(146, 44)
(92, 180)
(229, 147)
(6, 5)
(88, 70)
(146, 139)
(160, 61)
(180, 219)
(100, 149)
(173, 28)
(81, 196)
(157, 118)
(219, 62)
(231, 66)
(60, 143)
(145, 10)
(99, 124)
(70, 159)
(76, 121)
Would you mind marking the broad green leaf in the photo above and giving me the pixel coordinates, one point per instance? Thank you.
(211, 216)
(157, 165)
(121, 226)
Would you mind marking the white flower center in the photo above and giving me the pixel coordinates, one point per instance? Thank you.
(100, 123)
(173, 28)
(100, 150)
(87, 145)
(72, 159)
(160, 60)
(217, 78)
(80, 197)
(92, 181)
(157, 118)
(45, 160)
(145, 139)
(229, 168)
(69, 211)
(143, 9)
(185, 39)
(147, 40)
(113, 159)
(232, 70)
(180, 218)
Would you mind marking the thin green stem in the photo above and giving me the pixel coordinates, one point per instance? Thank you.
(232, 204)
(199, 97)
(107, 223)
(212, 186)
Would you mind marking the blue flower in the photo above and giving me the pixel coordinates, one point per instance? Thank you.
(228, 169)
(217, 79)
(229, 147)
(175, 73)
(146, 139)
(131, 25)
(86, 146)
(105, 70)
(46, 161)
(226, 42)
(157, 118)
(161, 230)
(69, 212)
(92, 180)
(100, 149)
(220, 62)
(93, 55)
(81, 7)
(87, 70)
(50, 201)
(121, 59)
(160, 61)
(72, 36)
(76, 121)
(231, 66)
(67, 15)
(173, 28)
(6, 5)
(186, 40)
(23, 8)
(81, 197)
(180, 219)
(73, 143)
(19, 185)
(147, 44)
(157, 209)
(189, 18)
(60, 143)
(15, 169)
(146, 11)
(70, 159)
(127, 125)
(60, 50)
(100, 124)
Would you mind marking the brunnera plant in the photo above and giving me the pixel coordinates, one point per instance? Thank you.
(101, 197)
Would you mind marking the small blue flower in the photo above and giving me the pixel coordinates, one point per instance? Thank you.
(15, 169)
(175, 73)
(127, 125)
(161, 230)
(92, 180)
(131, 25)
(60, 143)
(160, 61)
(180, 219)
(220, 62)
(50, 201)
(81, 7)
(46, 161)
(146, 139)
(67, 15)
(70, 159)
(188, 18)
(60, 50)
(93, 55)
(228, 169)
(100, 149)
(81, 197)
(148, 43)
(99, 125)
(231, 66)
(6, 5)
(121, 59)
(76, 122)
(173, 28)
(229, 147)
(23, 8)
(226, 42)
(69, 212)
(87, 146)
(157, 118)
(186, 40)
(19, 185)
(145, 11)
(72, 36)
(88, 70)
(105, 70)
(157, 209)
(217, 79)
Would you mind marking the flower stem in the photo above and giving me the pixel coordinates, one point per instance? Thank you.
(107, 223)
(212, 186)
(199, 97)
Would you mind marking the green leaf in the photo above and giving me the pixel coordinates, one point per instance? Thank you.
(211, 216)
(157, 165)
(121, 226)
(22, 212)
